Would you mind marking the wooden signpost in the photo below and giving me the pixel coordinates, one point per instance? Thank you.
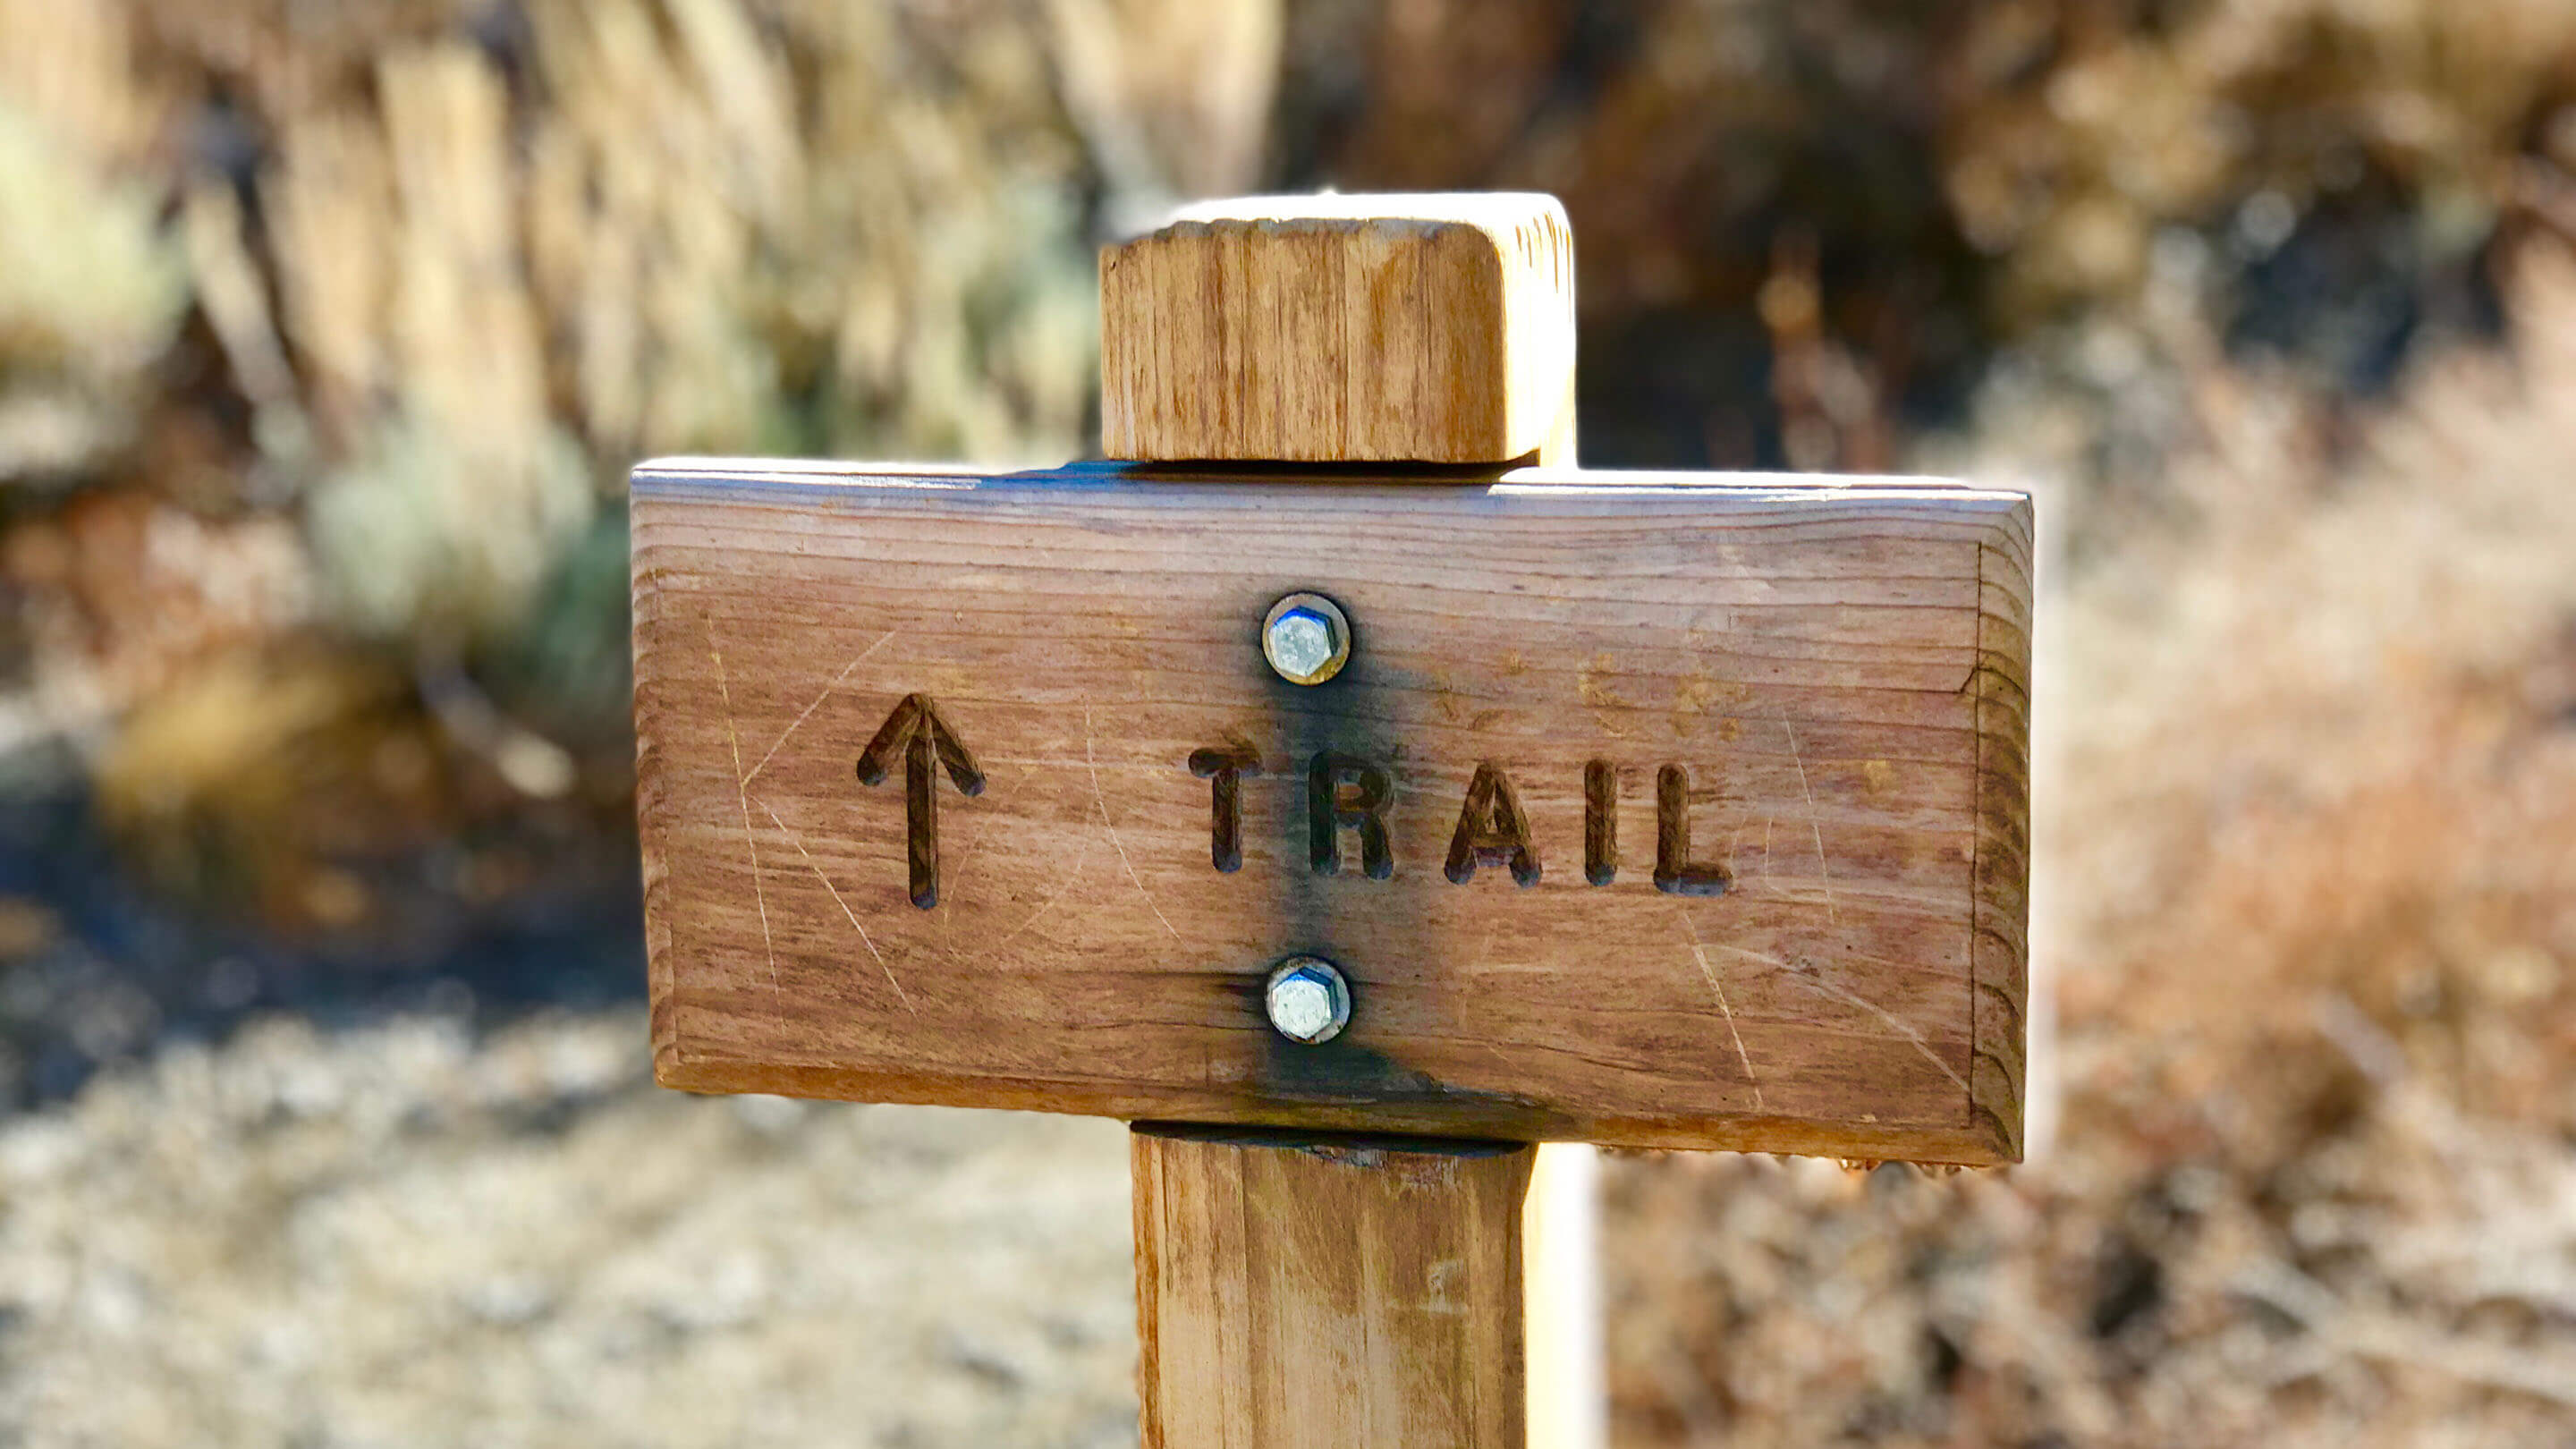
(1349, 788)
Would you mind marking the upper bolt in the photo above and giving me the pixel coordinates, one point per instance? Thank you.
(1306, 638)
(1308, 1000)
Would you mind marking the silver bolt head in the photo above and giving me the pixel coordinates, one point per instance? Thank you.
(1306, 638)
(1308, 1000)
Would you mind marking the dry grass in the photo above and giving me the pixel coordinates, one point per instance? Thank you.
(401, 1237)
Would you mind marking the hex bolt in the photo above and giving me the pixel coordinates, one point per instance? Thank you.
(1306, 638)
(1308, 1000)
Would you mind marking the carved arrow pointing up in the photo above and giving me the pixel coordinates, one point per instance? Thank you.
(927, 742)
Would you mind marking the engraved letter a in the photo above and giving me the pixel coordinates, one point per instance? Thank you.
(1492, 831)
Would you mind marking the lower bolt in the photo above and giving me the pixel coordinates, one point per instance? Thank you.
(1308, 1000)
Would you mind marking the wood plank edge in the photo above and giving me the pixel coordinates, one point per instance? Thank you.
(1969, 1145)
(1323, 1142)
(651, 827)
(683, 476)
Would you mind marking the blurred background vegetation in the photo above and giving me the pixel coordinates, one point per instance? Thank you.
(327, 331)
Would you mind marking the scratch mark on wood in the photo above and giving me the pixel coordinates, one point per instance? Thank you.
(1707, 972)
(1824, 871)
(811, 864)
(1813, 980)
(1072, 877)
(966, 857)
(797, 722)
(742, 792)
(1100, 798)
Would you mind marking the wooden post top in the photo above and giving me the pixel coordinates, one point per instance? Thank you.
(1390, 328)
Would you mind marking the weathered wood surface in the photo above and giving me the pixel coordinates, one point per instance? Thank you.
(1839, 674)
(1314, 1292)
(1433, 328)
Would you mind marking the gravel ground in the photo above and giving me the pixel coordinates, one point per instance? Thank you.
(402, 1234)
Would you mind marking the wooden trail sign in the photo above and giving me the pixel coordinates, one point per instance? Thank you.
(1678, 813)
(1677, 810)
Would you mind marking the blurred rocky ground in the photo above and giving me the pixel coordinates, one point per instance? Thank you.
(328, 331)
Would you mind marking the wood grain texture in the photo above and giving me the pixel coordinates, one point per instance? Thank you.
(1318, 1292)
(1841, 672)
(1434, 328)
